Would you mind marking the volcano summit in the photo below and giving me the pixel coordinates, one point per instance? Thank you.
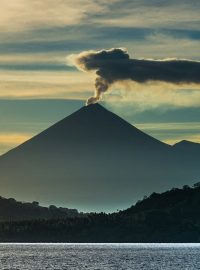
(94, 161)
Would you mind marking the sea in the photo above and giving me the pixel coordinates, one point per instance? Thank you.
(100, 256)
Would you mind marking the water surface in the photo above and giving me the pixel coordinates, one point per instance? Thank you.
(100, 256)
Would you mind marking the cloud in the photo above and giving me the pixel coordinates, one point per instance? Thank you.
(18, 15)
(12, 139)
(44, 84)
(172, 132)
(181, 14)
(115, 65)
(161, 44)
(154, 95)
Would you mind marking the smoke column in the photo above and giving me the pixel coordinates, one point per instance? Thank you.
(116, 65)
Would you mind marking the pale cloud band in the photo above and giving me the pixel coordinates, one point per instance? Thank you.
(11, 140)
(172, 133)
(79, 85)
(17, 15)
(37, 84)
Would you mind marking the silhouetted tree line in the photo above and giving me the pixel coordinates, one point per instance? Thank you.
(172, 216)
(12, 210)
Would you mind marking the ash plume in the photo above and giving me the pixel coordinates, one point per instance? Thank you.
(115, 65)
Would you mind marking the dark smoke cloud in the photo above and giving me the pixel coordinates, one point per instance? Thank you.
(116, 65)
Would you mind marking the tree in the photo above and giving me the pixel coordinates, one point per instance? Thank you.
(34, 203)
(196, 185)
(186, 187)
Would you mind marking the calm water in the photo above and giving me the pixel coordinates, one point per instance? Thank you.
(100, 256)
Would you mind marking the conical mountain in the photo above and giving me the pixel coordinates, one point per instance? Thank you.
(91, 160)
(91, 125)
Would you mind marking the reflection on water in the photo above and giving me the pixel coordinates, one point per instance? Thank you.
(100, 256)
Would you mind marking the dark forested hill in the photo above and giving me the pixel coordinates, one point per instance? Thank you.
(172, 216)
(12, 210)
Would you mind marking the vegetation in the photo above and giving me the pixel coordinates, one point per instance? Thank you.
(12, 210)
(172, 216)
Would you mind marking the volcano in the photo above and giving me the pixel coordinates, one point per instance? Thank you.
(93, 160)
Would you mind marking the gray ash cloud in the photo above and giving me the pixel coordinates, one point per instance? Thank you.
(115, 65)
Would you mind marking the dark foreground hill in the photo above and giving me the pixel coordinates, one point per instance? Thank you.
(12, 210)
(173, 216)
(94, 160)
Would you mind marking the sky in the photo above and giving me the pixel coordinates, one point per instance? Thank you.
(38, 86)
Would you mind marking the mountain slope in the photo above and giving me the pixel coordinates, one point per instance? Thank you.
(187, 147)
(91, 160)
